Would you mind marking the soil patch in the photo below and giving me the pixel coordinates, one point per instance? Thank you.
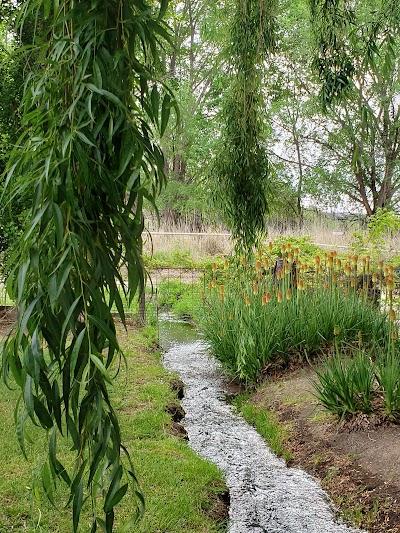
(357, 463)
(8, 317)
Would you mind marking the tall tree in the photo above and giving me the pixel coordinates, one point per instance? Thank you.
(361, 148)
(88, 152)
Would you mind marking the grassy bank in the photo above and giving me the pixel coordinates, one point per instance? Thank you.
(181, 490)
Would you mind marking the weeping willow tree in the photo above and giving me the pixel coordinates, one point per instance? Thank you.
(241, 167)
(88, 155)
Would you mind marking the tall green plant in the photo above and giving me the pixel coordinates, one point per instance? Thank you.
(88, 153)
(241, 167)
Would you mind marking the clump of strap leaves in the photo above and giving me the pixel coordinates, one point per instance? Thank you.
(241, 166)
(88, 152)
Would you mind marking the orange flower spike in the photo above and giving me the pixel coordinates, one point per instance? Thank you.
(258, 265)
(374, 277)
(390, 283)
(270, 245)
(289, 246)
(255, 289)
(268, 297)
(326, 286)
(248, 300)
(346, 291)
(259, 254)
(393, 335)
(386, 272)
(298, 262)
(226, 264)
(288, 294)
(317, 260)
(353, 282)
(279, 296)
(283, 248)
(221, 297)
(339, 264)
(347, 269)
(214, 266)
(364, 261)
(221, 289)
(392, 315)
(380, 264)
(214, 282)
(391, 269)
(296, 252)
(260, 276)
(330, 261)
(290, 257)
(263, 299)
(266, 263)
(300, 285)
(209, 286)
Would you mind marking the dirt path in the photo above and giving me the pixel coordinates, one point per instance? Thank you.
(357, 463)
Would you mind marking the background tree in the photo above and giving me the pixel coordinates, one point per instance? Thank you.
(361, 146)
(87, 150)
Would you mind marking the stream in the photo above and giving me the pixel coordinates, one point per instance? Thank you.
(265, 495)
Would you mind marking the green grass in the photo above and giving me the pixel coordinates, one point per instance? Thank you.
(180, 488)
(266, 424)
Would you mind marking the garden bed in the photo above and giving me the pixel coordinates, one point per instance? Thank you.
(357, 462)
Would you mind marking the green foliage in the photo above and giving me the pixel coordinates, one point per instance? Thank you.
(368, 382)
(241, 166)
(183, 299)
(331, 22)
(88, 153)
(187, 203)
(266, 425)
(174, 259)
(345, 385)
(381, 225)
(260, 316)
(307, 249)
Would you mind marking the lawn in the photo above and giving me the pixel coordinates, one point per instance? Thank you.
(181, 490)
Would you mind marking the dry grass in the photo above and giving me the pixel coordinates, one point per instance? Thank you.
(325, 232)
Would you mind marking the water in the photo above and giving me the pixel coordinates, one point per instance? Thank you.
(265, 495)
